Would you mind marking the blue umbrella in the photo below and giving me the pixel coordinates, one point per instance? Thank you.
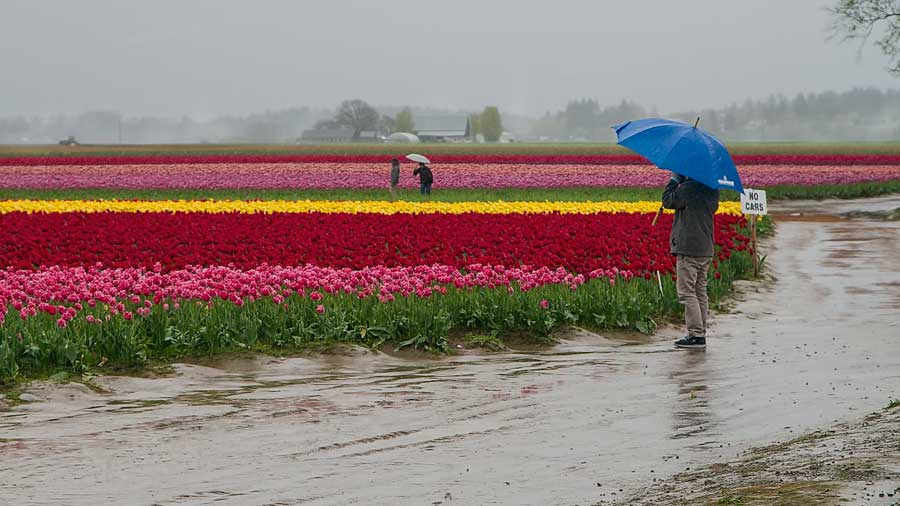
(681, 148)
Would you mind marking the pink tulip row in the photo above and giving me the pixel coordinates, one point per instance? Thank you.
(364, 175)
(66, 291)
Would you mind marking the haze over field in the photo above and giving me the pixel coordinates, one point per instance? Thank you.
(228, 70)
(213, 57)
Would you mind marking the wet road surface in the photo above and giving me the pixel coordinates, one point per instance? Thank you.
(591, 419)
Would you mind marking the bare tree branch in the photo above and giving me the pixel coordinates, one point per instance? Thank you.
(358, 115)
(859, 19)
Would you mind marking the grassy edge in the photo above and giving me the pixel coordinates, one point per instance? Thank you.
(666, 312)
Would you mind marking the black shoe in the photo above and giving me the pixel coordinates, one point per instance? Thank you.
(691, 342)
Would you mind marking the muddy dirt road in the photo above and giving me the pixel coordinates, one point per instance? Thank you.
(592, 419)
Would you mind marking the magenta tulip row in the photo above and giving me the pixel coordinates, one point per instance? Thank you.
(366, 175)
(65, 291)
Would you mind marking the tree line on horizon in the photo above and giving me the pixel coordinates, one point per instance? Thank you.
(359, 116)
(855, 115)
(864, 114)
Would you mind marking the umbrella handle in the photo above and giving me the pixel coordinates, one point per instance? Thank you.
(657, 216)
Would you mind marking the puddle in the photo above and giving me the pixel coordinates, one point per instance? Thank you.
(836, 207)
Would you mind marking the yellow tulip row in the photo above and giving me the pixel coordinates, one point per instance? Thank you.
(328, 206)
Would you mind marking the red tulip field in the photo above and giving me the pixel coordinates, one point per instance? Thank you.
(121, 258)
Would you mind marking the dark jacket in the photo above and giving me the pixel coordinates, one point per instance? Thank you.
(424, 173)
(395, 174)
(695, 204)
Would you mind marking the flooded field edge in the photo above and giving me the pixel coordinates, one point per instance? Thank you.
(462, 344)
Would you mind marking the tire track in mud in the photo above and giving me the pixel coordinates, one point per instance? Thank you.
(507, 408)
(427, 442)
(511, 404)
(468, 416)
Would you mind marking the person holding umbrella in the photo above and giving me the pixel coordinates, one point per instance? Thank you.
(691, 241)
(426, 178)
(700, 166)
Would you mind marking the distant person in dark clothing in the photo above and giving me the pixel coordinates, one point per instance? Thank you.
(693, 245)
(395, 175)
(426, 178)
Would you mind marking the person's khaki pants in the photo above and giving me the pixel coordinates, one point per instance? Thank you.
(691, 285)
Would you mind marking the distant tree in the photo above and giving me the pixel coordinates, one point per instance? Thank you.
(580, 118)
(491, 125)
(404, 121)
(358, 115)
(475, 125)
(326, 124)
(858, 19)
(584, 119)
(387, 125)
(259, 131)
(549, 126)
(613, 115)
(12, 130)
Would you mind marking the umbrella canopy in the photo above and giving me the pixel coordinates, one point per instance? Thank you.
(681, 148)
(417, 158)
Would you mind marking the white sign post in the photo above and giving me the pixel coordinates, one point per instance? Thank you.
(753, 204)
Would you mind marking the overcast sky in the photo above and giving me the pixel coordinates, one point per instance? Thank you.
(210, 57)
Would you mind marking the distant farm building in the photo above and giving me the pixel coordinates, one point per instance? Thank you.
(328, 135)
(338, 135)
(402, 137)
(507, 137)
(444, 127)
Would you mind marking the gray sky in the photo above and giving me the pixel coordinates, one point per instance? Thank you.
(210, 57)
